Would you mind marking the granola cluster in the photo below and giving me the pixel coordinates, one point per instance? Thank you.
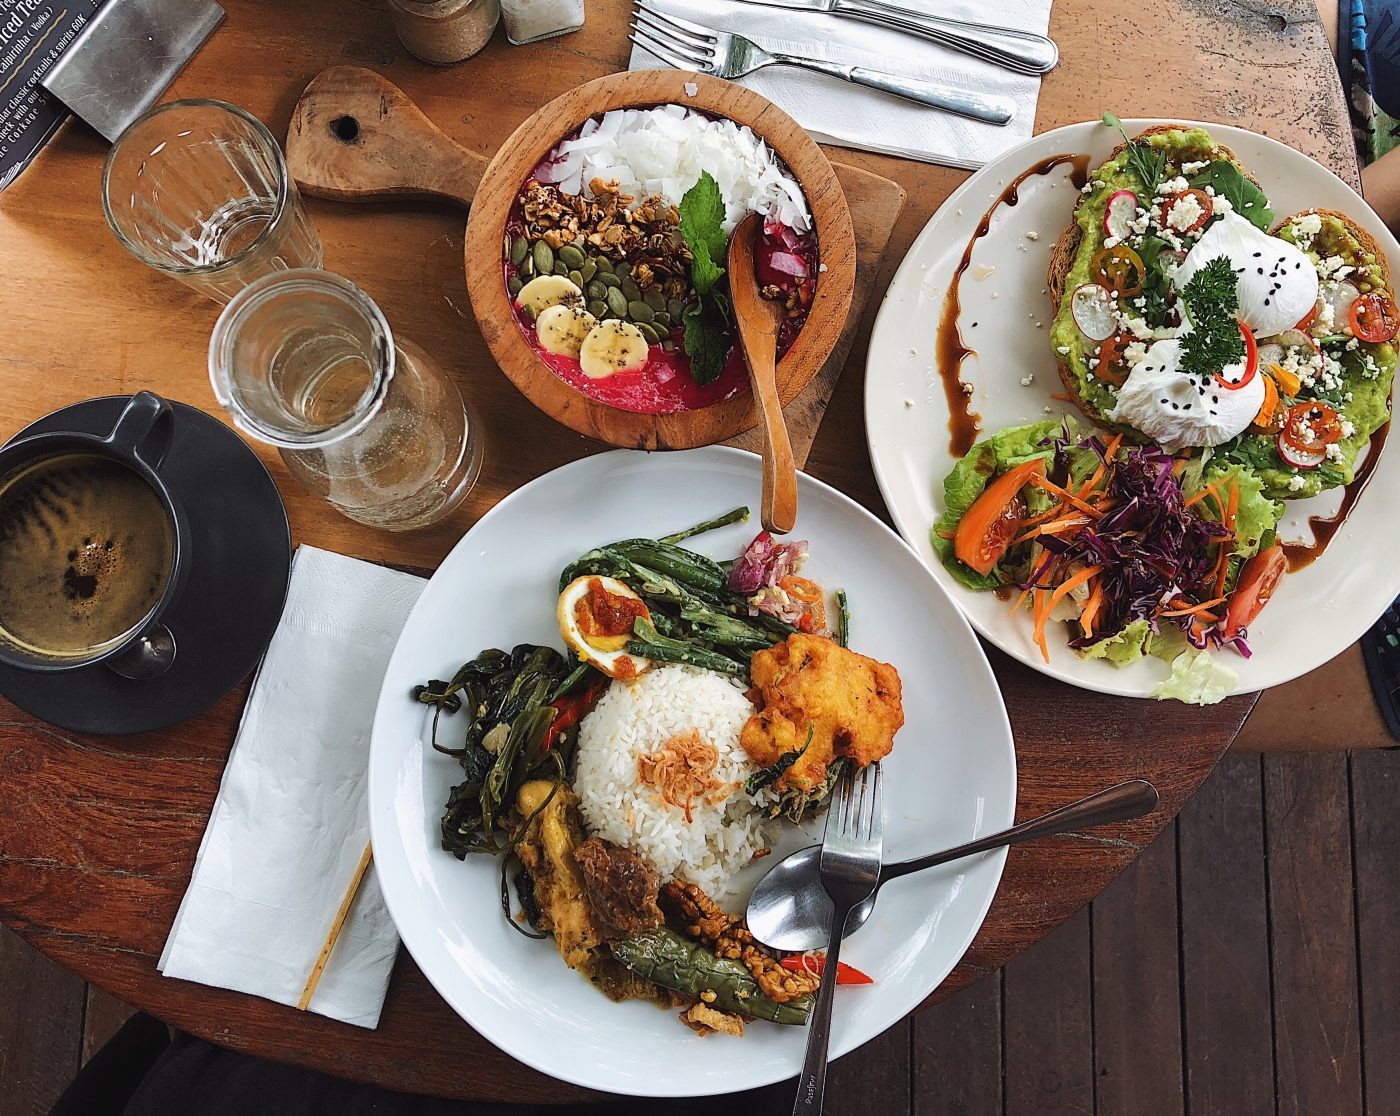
(648, 236)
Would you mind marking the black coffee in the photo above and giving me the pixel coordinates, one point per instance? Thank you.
(85, 551)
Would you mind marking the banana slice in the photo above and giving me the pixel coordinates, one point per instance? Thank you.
(546, 290)
(562, 328)
(611, 347)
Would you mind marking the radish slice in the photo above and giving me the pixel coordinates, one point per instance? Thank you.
(1092, 308)
(1270, 353)
(1297, 458)
(1339, 296)
(1120, 213)
(1297, 339)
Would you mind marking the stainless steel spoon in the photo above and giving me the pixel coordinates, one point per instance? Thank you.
(790, 910)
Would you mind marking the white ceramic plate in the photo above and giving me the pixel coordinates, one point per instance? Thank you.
(952, 775)
(1005, 316)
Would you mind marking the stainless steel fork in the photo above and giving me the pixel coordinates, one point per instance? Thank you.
(691, 46)
(850, 865)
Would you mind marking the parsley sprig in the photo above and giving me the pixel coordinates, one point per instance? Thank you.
(706, 320)
(1211, 299)
(1143, 159)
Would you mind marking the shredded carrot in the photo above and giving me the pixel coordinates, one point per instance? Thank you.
(1068, 497)
(1059, 527)
(1208, 490)
(1091, 608)
(1061, 397)
(1093, 482)
(800, 589)
(1072, 583)
(1041, 601)
(1192, 610)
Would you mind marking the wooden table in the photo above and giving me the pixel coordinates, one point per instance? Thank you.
(98, 834)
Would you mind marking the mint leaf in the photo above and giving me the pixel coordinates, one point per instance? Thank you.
(702, 217)
(1229, 182)
(705, 336)
(704, 272)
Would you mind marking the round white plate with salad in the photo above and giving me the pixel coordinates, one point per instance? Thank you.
(638, 773)
(1129, 387)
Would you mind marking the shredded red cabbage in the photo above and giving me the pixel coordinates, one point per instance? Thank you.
(1152, 547)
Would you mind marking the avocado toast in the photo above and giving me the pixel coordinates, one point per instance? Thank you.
(1301, 399)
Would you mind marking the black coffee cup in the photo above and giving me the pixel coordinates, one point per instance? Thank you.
(138, 442)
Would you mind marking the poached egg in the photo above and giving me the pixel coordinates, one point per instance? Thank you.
(1276, 283)
(1179, 410)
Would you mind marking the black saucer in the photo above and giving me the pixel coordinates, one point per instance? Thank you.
(241, 553)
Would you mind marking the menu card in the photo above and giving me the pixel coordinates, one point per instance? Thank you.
(33, 34)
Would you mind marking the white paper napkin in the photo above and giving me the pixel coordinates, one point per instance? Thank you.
(291, 821)
(838, 112)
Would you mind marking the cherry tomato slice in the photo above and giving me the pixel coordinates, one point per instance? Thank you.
(1258, 580)
(986, 530)
(1119, 269)
(1251, 362)
(1168, 203)
(1311, 427)
(1111, 368)
(1310, 317)
(1374, 318)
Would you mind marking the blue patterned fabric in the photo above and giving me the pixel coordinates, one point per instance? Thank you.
(1369, 56)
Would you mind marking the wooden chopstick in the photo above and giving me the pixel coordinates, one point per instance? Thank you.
(336, 925)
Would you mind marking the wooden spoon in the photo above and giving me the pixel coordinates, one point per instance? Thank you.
(758, 319)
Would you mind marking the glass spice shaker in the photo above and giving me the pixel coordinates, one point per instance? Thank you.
(444, 31)
(304, 361)
(528, 21)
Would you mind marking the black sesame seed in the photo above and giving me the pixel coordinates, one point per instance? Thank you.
(1258, 254)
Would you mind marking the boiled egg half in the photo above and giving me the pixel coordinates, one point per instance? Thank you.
(596, 615)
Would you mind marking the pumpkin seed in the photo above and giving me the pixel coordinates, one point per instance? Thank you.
(631, 290)
(639, 311)
(609, 279)
(513, 285)
(622, 269)
(576, 278)
(527, 267)
(676, 308)
(596, 290)
(588, 269)
(518, 247)
(617, 303)
(650, 334)
(561, 268)
(662, 320)
(653, 297)
(669, 345)
(544, 258)
(603, 264)
(598, 308)
(571, 256)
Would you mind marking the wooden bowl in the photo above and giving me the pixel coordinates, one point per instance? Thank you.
(559, 119)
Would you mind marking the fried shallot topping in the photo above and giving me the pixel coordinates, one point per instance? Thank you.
(705, 1020)
(682, 772)
(702, 919)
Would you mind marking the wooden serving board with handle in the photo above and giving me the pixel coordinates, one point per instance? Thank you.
(355, 136)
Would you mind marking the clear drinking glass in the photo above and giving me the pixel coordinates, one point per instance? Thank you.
(200, 190)
(304, 360)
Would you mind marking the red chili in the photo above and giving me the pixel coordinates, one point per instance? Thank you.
(816, 962)
(571, 707)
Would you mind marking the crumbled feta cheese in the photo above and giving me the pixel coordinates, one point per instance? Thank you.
(1063, 350)
(1184, 212)
(1333, 452)
(1308, 225)
(1326, 317)
(966, 388)
(1297, 482)
(1028, 379)
(1221, 204)
(1031, 234)
(1173, 185)
(1135, 352)
(1194, 165)
(1347, 428)
(1110, 242)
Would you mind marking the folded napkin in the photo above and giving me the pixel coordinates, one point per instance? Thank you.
(291, 821)
(836, 111)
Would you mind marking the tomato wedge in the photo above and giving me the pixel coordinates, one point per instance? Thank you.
(814, 963)
(1374, 318)
(1167, 204)
(1251, 362)
(995, 518)
(1119, 269)
(1110, 366)
(1258, 580)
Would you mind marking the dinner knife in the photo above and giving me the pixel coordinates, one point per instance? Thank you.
(1022, 51)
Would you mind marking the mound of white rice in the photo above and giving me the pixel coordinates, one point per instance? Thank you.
(635, 719)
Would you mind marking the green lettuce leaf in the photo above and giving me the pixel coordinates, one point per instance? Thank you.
(1127, 646)
(1197, 678)
(988, 458)
(1229, 181)
(1256, 517)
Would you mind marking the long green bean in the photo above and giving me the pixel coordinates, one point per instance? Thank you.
(738, 515)
(651, 644)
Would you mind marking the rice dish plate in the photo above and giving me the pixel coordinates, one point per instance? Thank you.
(637, 719)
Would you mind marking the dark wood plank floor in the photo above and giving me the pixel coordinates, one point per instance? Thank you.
(1246, 965)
